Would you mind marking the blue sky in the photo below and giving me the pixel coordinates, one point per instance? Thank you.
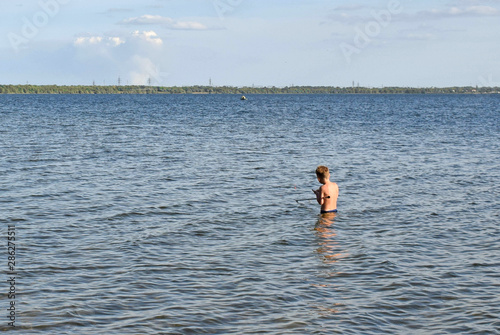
(251, 42)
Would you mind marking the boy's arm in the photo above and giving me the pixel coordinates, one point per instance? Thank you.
(320, 195)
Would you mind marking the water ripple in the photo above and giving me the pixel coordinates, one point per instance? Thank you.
(177, 214)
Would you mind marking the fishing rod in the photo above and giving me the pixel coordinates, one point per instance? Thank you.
(308, 199)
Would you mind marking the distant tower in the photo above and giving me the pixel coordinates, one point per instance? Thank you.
(119, 81)
(210, 82)
(149, 81)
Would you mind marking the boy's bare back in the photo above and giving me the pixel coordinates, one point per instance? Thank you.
(329, 193)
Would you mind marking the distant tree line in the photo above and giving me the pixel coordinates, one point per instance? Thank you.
(55, 89)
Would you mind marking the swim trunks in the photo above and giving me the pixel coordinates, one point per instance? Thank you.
(326, 212)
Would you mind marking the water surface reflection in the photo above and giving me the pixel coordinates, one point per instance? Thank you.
(329, 247)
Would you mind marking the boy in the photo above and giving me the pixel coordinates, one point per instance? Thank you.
(327, 194)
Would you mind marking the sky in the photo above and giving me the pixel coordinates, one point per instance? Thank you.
(374, 43)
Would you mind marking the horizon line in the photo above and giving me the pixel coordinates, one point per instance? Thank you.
(253, 86)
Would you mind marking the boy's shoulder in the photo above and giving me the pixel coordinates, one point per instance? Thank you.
(330, 184)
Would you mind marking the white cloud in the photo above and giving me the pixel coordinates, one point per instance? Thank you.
(148, 19)
(114, 41)
(88, 40)
(356, 14)
(148, 36)
(482, 10)
(98, 40)
(138, 54)
(143, 69)
(423, 32)
(475, 2)
(471, 11)
(164, 21)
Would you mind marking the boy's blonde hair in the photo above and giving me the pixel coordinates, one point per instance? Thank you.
(322, 172)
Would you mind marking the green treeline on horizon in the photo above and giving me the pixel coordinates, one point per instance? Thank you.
(55, 89)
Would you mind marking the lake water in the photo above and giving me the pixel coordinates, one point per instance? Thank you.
(159, 214)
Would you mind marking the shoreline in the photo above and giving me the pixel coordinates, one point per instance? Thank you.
(134, 89)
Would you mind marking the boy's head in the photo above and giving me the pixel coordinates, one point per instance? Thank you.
(322, 173)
